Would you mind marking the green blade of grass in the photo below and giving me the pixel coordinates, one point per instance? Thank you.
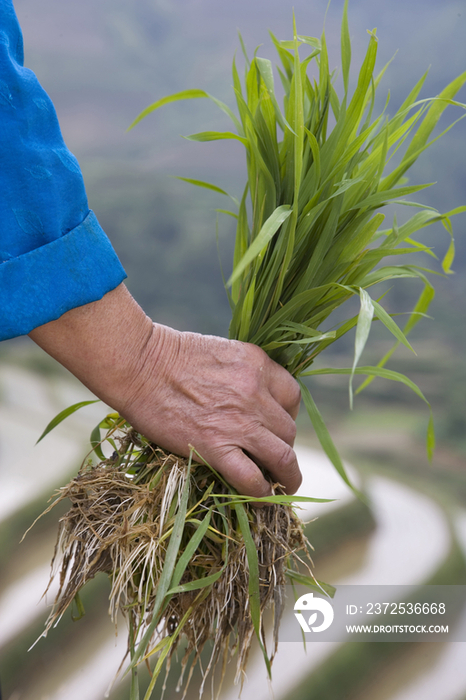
(363, 328)
(281, 499)
(265, 68)
(309, 582)
(96, 441)
(345, 47)
(324, 436)
(165, 650)
(206, 581)
(433, 115)
(254, 590)
(186, 95)
(183, 95)
(268, 230)
(188, 553)
(246, 312)
(228, 213)
(203, 136)
(390, 324)
(134, 690)
(420, 309)
(201, 183)
(384, 373)
(381, 198)
(299, 341)
(64, 414)
(381, 372)
(164, 582)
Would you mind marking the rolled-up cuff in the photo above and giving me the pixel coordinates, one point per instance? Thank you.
(40, 286)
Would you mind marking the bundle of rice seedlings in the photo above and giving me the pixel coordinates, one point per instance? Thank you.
(186, 555)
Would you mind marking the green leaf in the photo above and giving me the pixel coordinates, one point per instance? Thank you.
(449, 257)
(64, 414)
(324, 436)
(239, 498)
(163, 648)
(134, 690)
(389, 323)
(216, 136)
(345, 47)
(198, 584)
(299, 328)
(315, 153)
(163, 584)
(189, 552)
(253, 586)
(265, 68)
(95, 441)
(318, 586)
(310, 41)
(80, 612)
(228, 112)
(268, 230)
(372, 371)
(187, 95)
(422, 305)
(363, 328)
(386, 374)
(201, 183)
(227, 212)
(381, 198)
(300, 341)
(243, 48)
(246, 312)
(433, 115)
(241, 245)
(183, 95)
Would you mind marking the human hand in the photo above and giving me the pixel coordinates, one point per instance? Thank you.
(224, 397)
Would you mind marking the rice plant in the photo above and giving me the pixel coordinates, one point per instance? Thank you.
(186, 555)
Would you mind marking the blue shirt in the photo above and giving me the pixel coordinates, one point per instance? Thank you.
(54, 256)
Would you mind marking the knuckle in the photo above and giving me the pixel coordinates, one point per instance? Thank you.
(285, 429)
(284, 459)
(251, 385)
(254, 352)
(254, 359)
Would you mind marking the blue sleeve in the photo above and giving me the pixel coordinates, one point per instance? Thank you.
(54, 256)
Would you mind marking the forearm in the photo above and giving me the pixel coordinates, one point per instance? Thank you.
(101, 343)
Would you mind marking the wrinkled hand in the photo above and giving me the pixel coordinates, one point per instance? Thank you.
(226, 398)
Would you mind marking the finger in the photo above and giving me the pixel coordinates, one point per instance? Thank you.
(276, 456)
(284, 388)
(241, 472)
(276, 420)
